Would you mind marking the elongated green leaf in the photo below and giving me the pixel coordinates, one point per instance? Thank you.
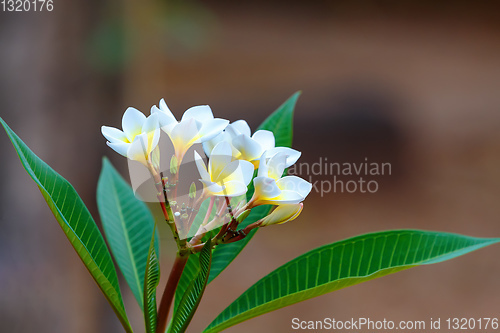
(192, 297)
(193, 264)
(128, 225)
(342, 264)
(188, 275)
(224, 254)
(76, 222)
(280, 122)
(151, 280)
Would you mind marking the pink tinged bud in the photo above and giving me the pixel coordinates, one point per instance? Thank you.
(282, 214)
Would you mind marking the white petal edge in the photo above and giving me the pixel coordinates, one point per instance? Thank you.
(265, 188)
(233, 189)
(296, 184)
(212, 187)
(137, 150)
(276, 166)
(164, 118)
(248, 147)
(132, 122)
(200, 164)
(212, 128)
(242, 127)
(200, 113)
(113, 134)
(292, 155)
(265, 139)
(120, 147)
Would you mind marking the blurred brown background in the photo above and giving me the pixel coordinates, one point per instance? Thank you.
(411, 83)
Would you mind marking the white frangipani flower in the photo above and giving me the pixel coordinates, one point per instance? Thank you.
(271, 188)
(251, 147)
(197, 125)
(224, 176)
(282, 214)
(139, 137)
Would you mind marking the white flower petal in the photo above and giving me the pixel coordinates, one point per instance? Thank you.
(120, 147)
(282, 214)
(153, 140)
(165, 109)
(200, 164)
(233, 189)
(164, 118)
(292, 155)
(132, 123)
(201, 113)
(220, 157)
(241, 171)
(169, 128)
(211, 128)
(113, 134)
(150, 124)
(296, 184)
(276, 166)
(209, 145)
(285, 197)
(242, 127)
(184, 134)
(250, 149)
(137, 150)
(212, 187)
(264, 138)
(247, 170)
(230, 171)
(152, 131)
(263, 168)
(265, 188)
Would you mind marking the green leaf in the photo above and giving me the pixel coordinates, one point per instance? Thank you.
(342, 264)
(192, 265)
(76, 222)
(280, 122)
(151, 280)
(188, 275)
(224, 254)
(192, 297)
(128, 225)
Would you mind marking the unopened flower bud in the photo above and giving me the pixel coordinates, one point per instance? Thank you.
(282, 214)
(155, 158)
(173, 165)
(192, 191)
(243, 216)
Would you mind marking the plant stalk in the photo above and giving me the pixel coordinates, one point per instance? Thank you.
(169, 292)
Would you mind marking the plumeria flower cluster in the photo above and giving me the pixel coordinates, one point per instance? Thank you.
(237, 161)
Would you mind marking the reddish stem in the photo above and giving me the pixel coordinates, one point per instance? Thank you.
(169, 292)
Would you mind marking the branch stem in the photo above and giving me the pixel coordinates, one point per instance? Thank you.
(169, 292)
